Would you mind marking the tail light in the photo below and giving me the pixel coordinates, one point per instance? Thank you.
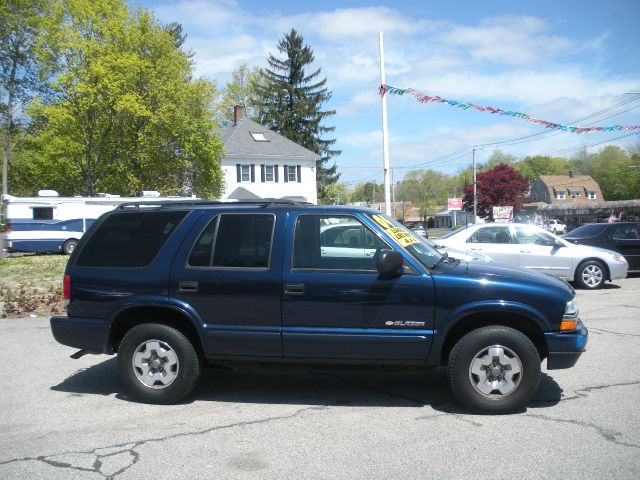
(67, 288)
(8, 229)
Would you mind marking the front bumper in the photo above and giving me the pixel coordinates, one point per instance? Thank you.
(87, 334)
(564, 348)
(618, 270)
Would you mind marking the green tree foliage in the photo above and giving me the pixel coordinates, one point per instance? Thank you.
(500, 186)
(338, 194)
(620, 179)
(426, 189)
(126, 114)
(534, 166)
(610, 168)
(498, 157)
(21, 67)
(290, 103)
(241, 91)
(367, 192)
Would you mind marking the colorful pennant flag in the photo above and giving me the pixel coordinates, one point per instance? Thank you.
(498, 111)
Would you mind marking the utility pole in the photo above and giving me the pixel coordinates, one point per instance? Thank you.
(475, 187)
(385, 139)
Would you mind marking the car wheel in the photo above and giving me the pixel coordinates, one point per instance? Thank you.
(590, 275)
(69, 246)
(494, 370)
(158, 364)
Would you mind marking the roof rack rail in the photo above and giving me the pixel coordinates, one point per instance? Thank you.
(265, 202)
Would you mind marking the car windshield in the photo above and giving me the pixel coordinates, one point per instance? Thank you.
(414, 244)
(452, 232)
(586, 231)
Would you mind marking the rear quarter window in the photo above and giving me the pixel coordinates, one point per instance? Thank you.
(129, 239)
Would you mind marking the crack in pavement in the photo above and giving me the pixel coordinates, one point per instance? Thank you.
(128, 454)
(608, 435)
(129, 448)
(584, 392)
(617, 334)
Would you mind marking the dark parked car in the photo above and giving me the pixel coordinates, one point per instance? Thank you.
(174, 287)
(622, 237)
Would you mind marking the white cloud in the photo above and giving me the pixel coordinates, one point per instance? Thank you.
(510, 40)
(200, 14)
(348, 23)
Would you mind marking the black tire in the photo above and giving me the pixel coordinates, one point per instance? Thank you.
(158, 364)
(590, 275)
(504, 392)
(69, 246)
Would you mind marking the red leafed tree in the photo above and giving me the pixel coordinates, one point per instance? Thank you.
(501, 186)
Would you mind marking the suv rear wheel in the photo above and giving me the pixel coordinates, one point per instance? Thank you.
(494, 370)
(158, 364)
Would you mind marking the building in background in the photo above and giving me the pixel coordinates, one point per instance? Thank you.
(260, 163)
(566, 189)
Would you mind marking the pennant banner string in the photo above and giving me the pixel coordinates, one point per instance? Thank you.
(384, 89)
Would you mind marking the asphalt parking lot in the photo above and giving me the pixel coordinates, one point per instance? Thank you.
(64, 418)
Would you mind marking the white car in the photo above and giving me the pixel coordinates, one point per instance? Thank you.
(352, 240)
(555, 226)
(533, 248)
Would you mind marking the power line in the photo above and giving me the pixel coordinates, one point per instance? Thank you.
(555, 134)
(575, 149)
(448, 158)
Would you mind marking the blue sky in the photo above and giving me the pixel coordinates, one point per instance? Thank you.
(558, 61)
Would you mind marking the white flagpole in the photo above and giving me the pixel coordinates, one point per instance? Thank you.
(385, 139)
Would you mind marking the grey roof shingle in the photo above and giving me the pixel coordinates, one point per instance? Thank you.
(238, 142)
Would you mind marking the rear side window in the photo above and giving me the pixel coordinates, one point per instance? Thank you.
(129, 239)
(234, 241)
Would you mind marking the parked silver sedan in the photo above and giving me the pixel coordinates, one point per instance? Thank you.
(532, 247)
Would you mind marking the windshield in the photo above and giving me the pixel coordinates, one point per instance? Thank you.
(413, 243)
(587, 231)
(452, 232)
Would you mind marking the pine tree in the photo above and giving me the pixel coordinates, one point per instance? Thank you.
(290, 103)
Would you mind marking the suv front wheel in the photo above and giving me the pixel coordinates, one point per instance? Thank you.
(494, 370)
(158, 364)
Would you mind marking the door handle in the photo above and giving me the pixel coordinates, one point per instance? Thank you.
(525, 251)
(294, 288)
(187, 286)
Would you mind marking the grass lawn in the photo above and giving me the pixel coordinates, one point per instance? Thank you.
(31, 285)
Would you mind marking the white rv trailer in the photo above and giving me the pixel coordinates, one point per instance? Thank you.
(49, 223)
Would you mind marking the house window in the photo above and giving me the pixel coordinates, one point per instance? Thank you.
(576, 194)
(245, 173)
(592, 195)
(560, 195)
(292, 173)
(269, 173)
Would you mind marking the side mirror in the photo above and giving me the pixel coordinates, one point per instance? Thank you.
(389, 263)
(558, 244)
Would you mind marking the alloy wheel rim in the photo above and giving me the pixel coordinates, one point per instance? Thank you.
(592, 275)
(155, 364)
(495, 372)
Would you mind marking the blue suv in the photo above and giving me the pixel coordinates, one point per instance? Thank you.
(174, 287)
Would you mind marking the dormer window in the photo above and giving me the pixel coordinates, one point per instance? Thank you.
(258, 137)
(560, 195)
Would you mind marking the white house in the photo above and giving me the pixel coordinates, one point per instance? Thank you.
(260, 163)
